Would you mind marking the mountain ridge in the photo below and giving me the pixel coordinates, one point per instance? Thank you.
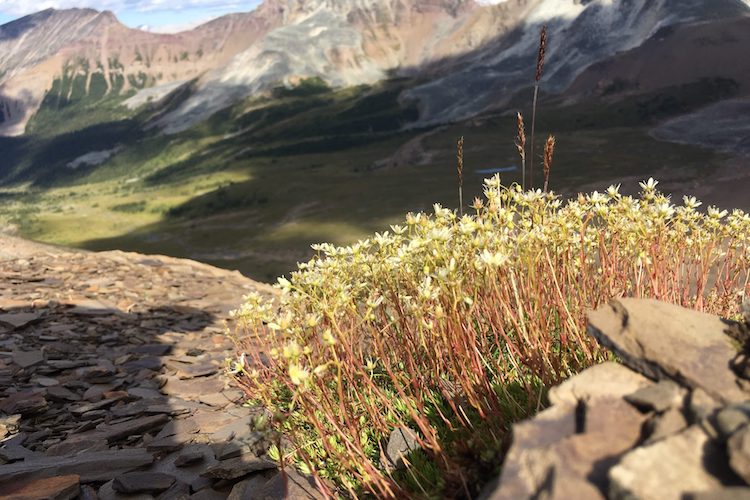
(451, 46)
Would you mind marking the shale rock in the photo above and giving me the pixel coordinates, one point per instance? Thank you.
(673, 422)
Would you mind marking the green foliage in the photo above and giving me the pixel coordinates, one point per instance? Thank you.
(456, 326)
(305, 88)
(132, 207)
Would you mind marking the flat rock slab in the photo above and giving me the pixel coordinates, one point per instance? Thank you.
(235, 468)
(606, 380)
(142, 482)
(52, 488)
(662, 341)
(116, 432)
(19, 320)
(26, 359)
(294, 486)
(658, 397)
(671, 468)
(91, 467)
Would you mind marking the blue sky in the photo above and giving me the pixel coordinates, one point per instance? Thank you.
(158, 15)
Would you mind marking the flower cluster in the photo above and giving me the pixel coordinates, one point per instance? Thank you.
(455, 325)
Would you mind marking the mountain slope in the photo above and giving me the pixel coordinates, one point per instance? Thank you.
(466, 56)
(581, 33)
(78, 52)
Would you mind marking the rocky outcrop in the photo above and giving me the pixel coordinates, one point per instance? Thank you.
(112, 380)
(670, 422)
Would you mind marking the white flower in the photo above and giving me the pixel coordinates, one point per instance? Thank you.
(649, 185)
(715, 213)
(493, 259)
(298, 374)
(613, 191)
(691, 202)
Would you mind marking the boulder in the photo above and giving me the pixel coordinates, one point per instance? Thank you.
(671, 468)
(664, 341)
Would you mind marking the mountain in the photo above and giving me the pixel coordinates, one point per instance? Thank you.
(69, 54)
(469, 56)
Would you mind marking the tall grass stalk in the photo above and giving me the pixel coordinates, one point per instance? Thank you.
(521, 146)
(537, 79)
(549, 151)
(455, 326)
(460, 171)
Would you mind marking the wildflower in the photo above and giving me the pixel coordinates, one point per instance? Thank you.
(238, 366)
(614, 191)
(715, 213)
(328, 337)
(649, 185)
(691, 202)
(284, 284)
(493, 259)
(297, 374)
(321, 370)
(292, 350)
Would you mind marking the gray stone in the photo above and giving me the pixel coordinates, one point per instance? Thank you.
(107, 492)
(26, 359)
(290, 486)
(19, 320)
(182, 426)
(738, 447)
(670, 468)
(17, 452)
(235, 468)
(548, 454)
(666, 424)
(87, 465)
(238, 429)
(58, 393)
(195, 371)
(178, 491)
(170, 443)
(701, 405)
(662, 340)
(145, 393)
(189, 457)
(142, 482)
(731, 418)
(74, 447)
(401, 442)
(659, 397)
(153, 349)
(123, 430)
(606, 380)
(209, 494)
(24, 403)
(188, 473)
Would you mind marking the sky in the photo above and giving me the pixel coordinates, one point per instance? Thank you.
(166, 16)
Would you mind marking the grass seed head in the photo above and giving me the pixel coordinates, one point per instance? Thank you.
(542, 52)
